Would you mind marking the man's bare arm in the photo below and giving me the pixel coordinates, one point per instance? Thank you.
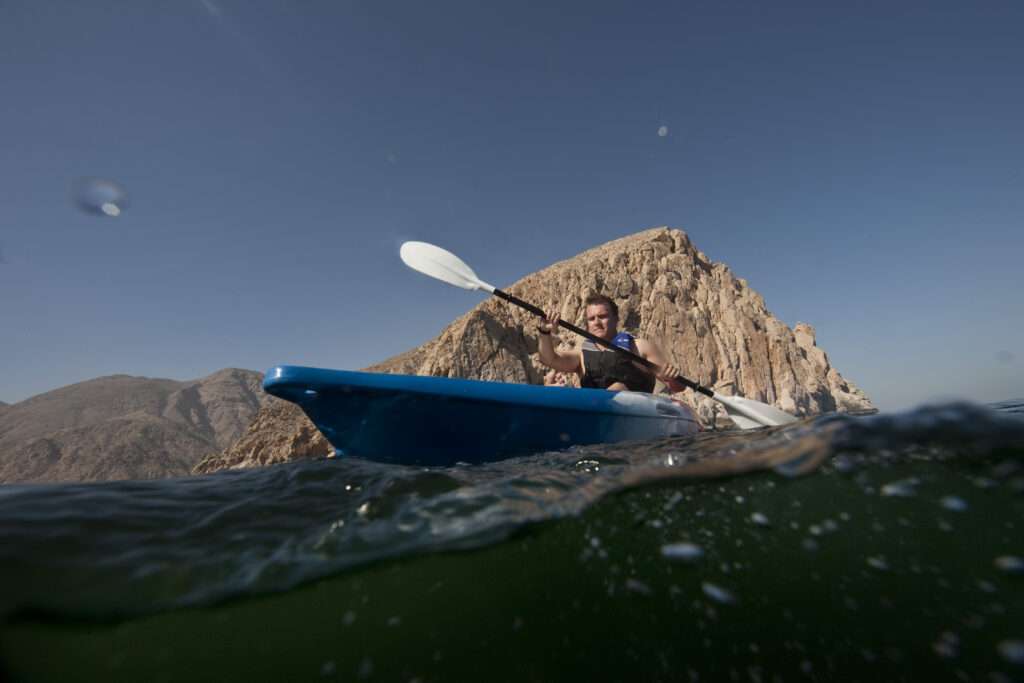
(562, 361)
(666, 371)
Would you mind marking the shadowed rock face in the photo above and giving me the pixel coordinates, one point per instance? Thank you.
(123, 427)
(710, 323)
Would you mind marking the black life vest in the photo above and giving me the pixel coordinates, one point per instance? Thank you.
(604, 368)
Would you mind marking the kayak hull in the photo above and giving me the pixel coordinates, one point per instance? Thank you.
(419, 420)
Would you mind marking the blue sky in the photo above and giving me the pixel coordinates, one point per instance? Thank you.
(860, 164)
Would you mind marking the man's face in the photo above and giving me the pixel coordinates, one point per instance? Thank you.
(601, 321)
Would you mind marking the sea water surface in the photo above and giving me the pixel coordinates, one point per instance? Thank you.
(887, 547)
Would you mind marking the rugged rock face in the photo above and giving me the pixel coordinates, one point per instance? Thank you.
(280, 432)
(710, 323)
(123, 427)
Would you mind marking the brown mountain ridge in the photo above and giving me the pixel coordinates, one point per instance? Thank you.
(123, 427)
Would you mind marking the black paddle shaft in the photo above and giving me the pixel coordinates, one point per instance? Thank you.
(598, 340)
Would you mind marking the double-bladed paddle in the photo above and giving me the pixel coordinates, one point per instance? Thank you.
(445, 266)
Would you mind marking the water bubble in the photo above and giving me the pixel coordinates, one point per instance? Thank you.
(903, 488)
(760, 519)
(328, 668)
(954, 503)
(365, 668)
(100, 197)
(1010, 564)
(717, 593)
(878, 562)
(673, 501)
(1012, 651)
(809, 544)
(947, 645)
(635, 586)
(662, 131)
(349, 618)
(843, 464)
(683, 552)
(394, 621)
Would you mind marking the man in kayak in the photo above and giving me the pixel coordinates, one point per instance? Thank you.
(599, 368)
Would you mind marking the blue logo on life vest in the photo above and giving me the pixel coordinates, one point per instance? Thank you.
(624, 340)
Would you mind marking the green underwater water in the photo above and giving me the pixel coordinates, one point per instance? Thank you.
(897, 571)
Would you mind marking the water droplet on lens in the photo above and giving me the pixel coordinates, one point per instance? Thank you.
(662, 131)
(100, 197)
(684, 552)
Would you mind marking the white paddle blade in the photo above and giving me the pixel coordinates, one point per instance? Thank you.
(748, 414)
(442, 265)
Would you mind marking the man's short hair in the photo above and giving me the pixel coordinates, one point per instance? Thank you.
(598, 299)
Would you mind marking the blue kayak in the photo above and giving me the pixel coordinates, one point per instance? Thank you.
(417, 420)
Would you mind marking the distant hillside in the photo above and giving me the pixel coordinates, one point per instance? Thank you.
(123, 427)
